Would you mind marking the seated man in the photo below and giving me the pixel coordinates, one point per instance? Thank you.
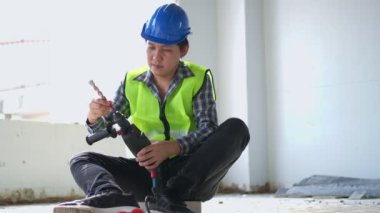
(173, 103)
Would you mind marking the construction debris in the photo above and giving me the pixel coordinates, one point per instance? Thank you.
(333, 187)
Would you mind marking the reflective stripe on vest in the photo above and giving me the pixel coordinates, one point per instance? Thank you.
(177, 111)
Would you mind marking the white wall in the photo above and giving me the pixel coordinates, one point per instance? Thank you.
(228, 35)
(256, 86)
(311, 107)
(232, 68)
(203, 37)
(218, 41)
(34, 158)
(323, 88)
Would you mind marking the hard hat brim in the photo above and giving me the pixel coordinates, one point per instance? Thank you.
(164, 41)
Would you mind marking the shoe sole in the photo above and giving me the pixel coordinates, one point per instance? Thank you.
(88, 209)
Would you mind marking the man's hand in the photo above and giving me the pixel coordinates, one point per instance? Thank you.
(98, 108)
(153, 155)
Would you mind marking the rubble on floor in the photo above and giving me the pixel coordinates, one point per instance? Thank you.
(333, 187)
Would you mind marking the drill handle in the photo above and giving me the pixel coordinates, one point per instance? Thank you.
(101, 134)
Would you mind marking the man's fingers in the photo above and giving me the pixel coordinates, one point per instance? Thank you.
(99, 108)
(144, 155)
(102, 106)
(144, 151)
(150, 165)
(147, 162)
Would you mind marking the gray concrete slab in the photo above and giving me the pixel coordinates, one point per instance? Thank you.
(255, 203)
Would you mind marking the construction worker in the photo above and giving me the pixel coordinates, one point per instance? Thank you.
(173, 103)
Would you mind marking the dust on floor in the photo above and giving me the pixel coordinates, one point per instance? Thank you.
(252, 203)
(267, 203)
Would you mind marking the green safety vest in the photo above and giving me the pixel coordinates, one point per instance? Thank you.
(172, 119)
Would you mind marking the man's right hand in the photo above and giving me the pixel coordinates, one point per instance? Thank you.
(98, 108)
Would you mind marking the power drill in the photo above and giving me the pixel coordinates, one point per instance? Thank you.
(132, 136)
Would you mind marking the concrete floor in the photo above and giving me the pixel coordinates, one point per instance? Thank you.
(252, 204)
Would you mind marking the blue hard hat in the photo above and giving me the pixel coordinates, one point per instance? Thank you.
(169, 25)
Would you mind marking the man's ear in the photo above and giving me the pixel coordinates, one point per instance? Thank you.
(184, 50)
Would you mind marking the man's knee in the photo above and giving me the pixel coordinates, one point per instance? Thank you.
(236, 130)
(81, 157)
(236, 125)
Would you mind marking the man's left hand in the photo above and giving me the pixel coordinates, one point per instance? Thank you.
(153, 155)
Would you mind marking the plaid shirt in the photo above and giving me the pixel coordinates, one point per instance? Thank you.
(204, 108)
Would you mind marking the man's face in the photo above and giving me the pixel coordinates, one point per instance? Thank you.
(163, 59)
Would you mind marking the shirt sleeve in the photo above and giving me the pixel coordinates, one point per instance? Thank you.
(205, 115)
(120, 103)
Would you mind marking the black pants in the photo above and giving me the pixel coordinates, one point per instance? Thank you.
(194, 177)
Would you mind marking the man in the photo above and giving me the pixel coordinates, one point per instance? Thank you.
(173, 103)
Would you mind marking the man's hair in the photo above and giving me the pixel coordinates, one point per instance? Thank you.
(183, 44)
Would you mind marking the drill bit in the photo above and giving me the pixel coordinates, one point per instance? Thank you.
(92, 83)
